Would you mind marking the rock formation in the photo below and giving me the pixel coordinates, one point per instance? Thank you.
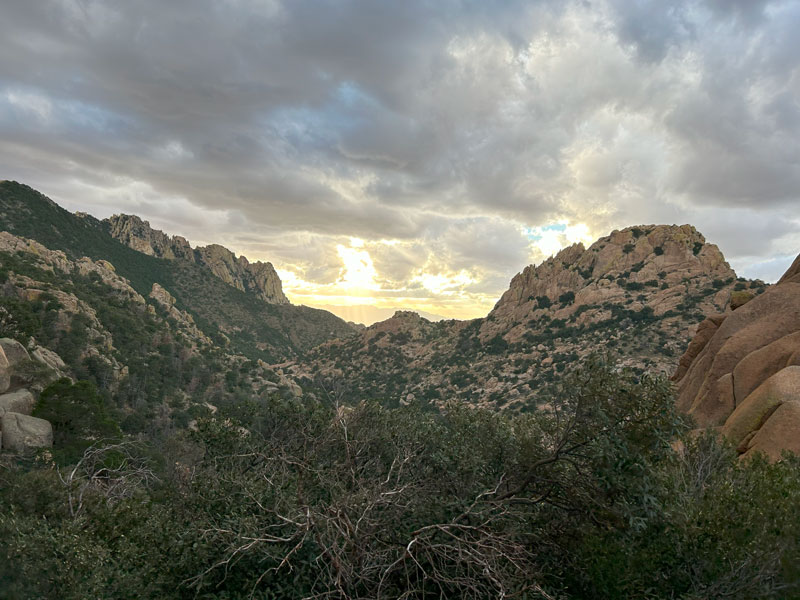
(741, 371)
(257, 278)
(19, 431)
(184, 320)
(22, 432)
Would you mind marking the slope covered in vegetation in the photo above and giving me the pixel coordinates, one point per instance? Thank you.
(310, 500)
(254, 327)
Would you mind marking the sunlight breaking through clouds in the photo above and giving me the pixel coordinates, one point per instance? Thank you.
(457, 142)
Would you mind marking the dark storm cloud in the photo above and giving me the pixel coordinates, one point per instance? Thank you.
(447, 125)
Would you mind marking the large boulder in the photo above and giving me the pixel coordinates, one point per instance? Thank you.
(21, 401)
(5, 372)
(779, 433)
(705, 331)
(765, 319)
(49, 358)
(23, 432)
(742, 371)
(759, 406)
(14, 351)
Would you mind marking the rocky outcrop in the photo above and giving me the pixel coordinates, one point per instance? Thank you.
(47, 259)
(136, 233)
(184, 320)
(743, 375)
(22, 433)
(662, 263)
(257, 278)
(99, 342)
(21, 401)
(667, 275)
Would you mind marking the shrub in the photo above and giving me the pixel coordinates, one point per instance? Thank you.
(566, 298)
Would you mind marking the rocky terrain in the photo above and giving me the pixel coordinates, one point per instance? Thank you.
(257, 278)
(238, 305)
(23, 374)
(168, 331)
(79, 319)
(638, 293)
(741, 373)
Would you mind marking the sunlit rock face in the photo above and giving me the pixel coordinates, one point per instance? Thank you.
(257, 278)
(650, 268)
(742, 371)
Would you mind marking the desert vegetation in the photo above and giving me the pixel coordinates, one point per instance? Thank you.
(588, 498)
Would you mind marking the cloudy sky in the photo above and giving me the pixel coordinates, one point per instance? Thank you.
(411, 153)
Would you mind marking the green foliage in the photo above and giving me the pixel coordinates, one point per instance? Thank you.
(658, 250)
(496, 345)
(628, 248)
(79, 417)
(567, 298)
(289, 499)
(543, 302)
(698, 246)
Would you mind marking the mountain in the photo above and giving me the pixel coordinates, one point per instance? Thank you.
(368, 315)
(258, 278)
(741, 371)
(638, 293)
(206, 283)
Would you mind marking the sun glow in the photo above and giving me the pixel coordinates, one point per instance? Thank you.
(358, 272)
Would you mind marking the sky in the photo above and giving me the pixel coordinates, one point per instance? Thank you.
(412, 154)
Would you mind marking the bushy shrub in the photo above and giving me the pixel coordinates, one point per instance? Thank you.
(78, 415)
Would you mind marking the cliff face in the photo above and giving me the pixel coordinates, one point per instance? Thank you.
(257, 278)
(638, 293)
(742, 371)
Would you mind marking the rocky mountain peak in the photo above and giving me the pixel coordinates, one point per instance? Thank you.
(137, 233)
(646, 267)
(258, 278)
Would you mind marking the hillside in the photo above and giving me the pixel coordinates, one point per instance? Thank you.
(149, 362)
(638, 293)
(252, 326)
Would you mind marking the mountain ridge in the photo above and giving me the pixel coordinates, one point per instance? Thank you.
(257, 277)
(639, 292)
(270, 332)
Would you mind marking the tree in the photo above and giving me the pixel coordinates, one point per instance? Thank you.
(79, 417)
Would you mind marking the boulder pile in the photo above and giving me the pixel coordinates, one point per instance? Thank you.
(19, 431)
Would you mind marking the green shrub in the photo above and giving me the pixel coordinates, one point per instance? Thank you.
(567, 298)
(78, 415)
